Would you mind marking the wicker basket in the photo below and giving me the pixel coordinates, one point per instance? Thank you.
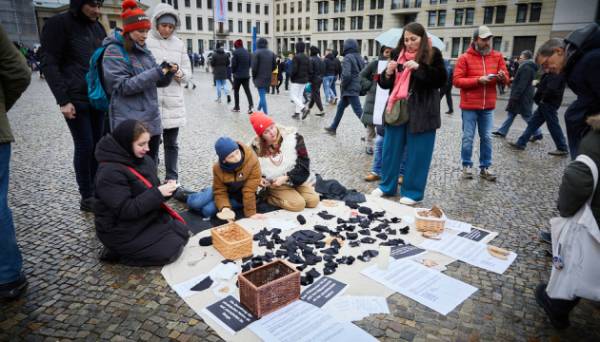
(269, 287)
(429, 224)
(232, 241)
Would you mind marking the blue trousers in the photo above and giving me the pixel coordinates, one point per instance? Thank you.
(262, 100)
(327, 87)
(419, 152)
(482, 120)
(11, 261)
(354, 101)
(548, 114)
(204, 203)
(221, 86)
(509, 121)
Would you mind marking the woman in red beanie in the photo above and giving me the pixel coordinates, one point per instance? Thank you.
(284, 164)
(131, 75)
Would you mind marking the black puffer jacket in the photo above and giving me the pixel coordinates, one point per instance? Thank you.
(301, 67)
(317, 66)
(128, 215)
(263, 64)
(219, 63)
(332, 66)
(424, 101)
(550, 90)
(352, 65)
(240, 63)
(521, 89)
(68, 41)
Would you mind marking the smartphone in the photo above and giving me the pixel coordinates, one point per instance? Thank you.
(492, 75)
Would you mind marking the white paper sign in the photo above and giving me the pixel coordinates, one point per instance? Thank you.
(282, 224)
(303, 322)
(355, 308)
(459, 226)
(183, 288)
(381, 97)
(469, 251)
(431, 288)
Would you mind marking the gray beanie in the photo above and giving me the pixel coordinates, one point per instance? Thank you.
(167, 19)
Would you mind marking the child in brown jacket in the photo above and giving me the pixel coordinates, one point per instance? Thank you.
(236, 177)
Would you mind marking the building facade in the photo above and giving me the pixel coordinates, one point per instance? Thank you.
(18, 20)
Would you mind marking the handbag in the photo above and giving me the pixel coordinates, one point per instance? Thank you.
(576, 250)
(398, 115)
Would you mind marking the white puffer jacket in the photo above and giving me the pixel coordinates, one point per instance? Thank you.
(173, 50)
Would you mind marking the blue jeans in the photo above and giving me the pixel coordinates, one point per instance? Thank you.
(333, 86)
(509, 121)
(221, 86)
(86, 130)
(327, 87)
(354, 101)
(483, 120)
(418, 148)
(11, 261)
(548, 114)
(204, 203)
(262, 100)
(378, 157)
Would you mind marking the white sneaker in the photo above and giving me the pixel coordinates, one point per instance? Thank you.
(407, 201)
(377, 192)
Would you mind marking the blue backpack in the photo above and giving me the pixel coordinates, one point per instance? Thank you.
(98, 97)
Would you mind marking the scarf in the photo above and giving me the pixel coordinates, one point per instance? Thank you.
(229, 167)
(402, 81)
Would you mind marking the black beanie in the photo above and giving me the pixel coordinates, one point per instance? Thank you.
(123, 134)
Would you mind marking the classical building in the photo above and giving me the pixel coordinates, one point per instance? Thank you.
(200, 31)
(17, 17)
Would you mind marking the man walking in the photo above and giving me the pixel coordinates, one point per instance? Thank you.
(288, 70)
(263, 64)
(301, 71)
(219, 63)
(331, 72)
(578, 58)
(14, 79)
(68, 41)
(350, 86)
(240, 67)
(548, 98)
(447, 89)
(316, 78)
(473, 75)
(521, 96)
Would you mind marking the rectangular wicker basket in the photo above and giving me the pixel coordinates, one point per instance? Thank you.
(269, 287)
(232, 241)
(429, 224)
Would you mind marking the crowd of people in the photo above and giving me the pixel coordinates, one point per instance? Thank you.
(116, 151)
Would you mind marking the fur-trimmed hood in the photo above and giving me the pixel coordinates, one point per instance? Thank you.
(594, 121)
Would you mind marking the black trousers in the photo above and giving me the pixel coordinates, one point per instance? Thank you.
(244, 82)
(287, 81)
(447, 91)
(153, 146)
(315, 95)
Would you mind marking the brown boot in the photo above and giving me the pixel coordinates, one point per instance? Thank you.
(371, 177)
(400, 180)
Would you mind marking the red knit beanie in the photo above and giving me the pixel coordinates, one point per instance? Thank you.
(260, 122)
(134, 17)
(238, 43)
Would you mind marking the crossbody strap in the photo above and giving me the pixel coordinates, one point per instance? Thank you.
(593, 168)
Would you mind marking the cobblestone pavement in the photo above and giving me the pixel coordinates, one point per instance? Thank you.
(72, 296)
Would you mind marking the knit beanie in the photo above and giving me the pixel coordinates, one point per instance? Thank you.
(260, 122)
(134, 17)
(167, 19)
(224, 146)
(238, 43)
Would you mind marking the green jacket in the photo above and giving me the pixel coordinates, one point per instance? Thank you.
(14, 79)
(366, 77)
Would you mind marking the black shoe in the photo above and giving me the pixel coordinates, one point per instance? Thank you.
(450, 112)
(107, 255)
(305, 112)
(516, 146)
(558, 321)
(15, 289)
(296, 116)
(498, 134)
(250, 111)
(182, 194)
(87, 204)
(320, 114)
(536, 138)
(330, 130)
(235, 110)
(559, 153)
(545, 237)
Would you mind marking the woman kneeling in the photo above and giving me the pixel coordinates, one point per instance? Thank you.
(284, 164)
(132, 220)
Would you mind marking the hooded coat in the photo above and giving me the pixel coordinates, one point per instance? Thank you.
(68, 42)
(263, 64)
(582, 72)
(370, 76)
(219, 62)
(332, 67)
(522, 89)
(317, 66)
(128, 215)
(301, 67)
(172, 50)
(352, 65)
(240, 63)
(132, 86)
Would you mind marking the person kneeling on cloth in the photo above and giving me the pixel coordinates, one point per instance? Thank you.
(132, 220)
(284, 164)
(236, 177)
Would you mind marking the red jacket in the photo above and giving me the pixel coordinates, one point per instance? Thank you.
(470, 66)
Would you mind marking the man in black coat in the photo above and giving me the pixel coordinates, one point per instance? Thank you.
(219, 63)
(68, 41)
(548, 98)
(316, 79)
(521, 95)
(301, 70)
(240, 67)
(578, 58)
(263, 64)
(331, 71)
